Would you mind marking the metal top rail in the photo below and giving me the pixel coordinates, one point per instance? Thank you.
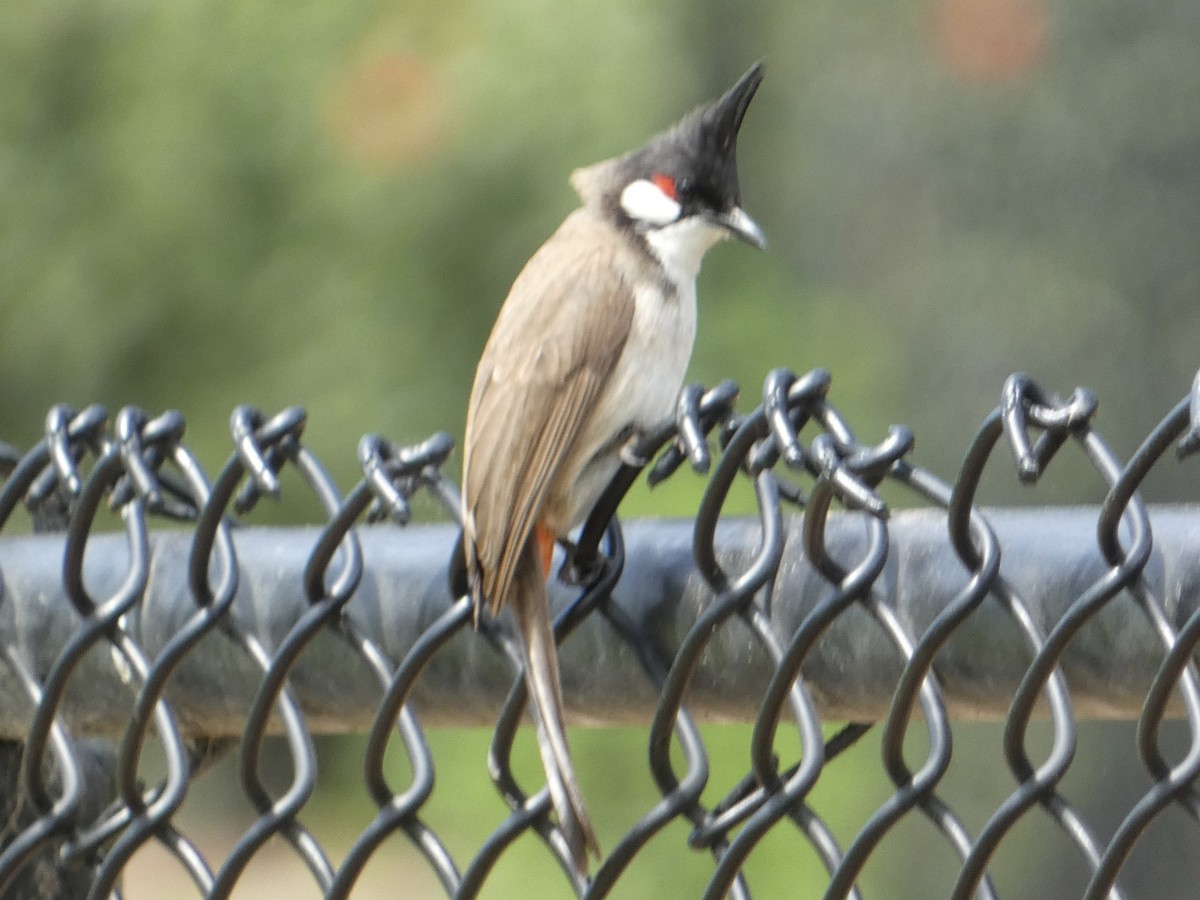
(1050, 557)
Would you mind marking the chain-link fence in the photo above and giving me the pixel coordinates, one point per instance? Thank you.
(205, 638)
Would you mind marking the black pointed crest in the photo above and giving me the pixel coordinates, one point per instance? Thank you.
(701, 149)
(724, 115)
(703, 146)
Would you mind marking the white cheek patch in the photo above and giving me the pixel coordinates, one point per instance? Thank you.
(645, 202)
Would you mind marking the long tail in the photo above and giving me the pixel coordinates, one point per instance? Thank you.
(532, 613)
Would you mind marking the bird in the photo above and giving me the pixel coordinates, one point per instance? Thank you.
(588, 352)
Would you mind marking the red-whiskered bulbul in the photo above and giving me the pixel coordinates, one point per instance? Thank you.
(588, 352)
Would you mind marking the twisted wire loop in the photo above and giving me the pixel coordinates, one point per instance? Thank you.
(84, 807)
(47, 478)
(1172, 784)
(849, 472)
(263, 448)
(391, 475)
(1026, 405)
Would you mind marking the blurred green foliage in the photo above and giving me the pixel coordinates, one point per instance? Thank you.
(324, 203)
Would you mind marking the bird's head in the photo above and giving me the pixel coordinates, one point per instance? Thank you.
(681, 190)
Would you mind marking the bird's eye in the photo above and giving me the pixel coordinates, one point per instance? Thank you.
(665, 183)
(684, 188)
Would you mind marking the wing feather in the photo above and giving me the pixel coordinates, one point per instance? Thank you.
(566, 414)
(555, 343)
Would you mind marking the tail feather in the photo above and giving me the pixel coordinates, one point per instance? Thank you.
(532, 613)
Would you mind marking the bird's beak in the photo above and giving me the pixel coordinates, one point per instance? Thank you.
(740, 225)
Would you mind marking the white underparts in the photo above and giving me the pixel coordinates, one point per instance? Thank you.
(644, 201)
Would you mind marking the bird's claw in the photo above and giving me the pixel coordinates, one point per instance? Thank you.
(577, 571)
(629, 453)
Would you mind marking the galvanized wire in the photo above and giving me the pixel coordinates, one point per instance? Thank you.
(160, 603)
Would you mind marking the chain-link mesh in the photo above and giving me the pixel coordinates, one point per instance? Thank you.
(205, 637)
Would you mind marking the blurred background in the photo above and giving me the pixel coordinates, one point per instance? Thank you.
(324, 203)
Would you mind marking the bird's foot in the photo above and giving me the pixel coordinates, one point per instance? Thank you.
(577, 571)
(629, 453)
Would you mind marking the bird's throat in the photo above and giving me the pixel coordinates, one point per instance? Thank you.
(680, 247)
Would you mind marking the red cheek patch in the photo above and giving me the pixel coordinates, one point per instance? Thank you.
(664, 183)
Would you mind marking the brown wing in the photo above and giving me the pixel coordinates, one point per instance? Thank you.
(549, 356)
